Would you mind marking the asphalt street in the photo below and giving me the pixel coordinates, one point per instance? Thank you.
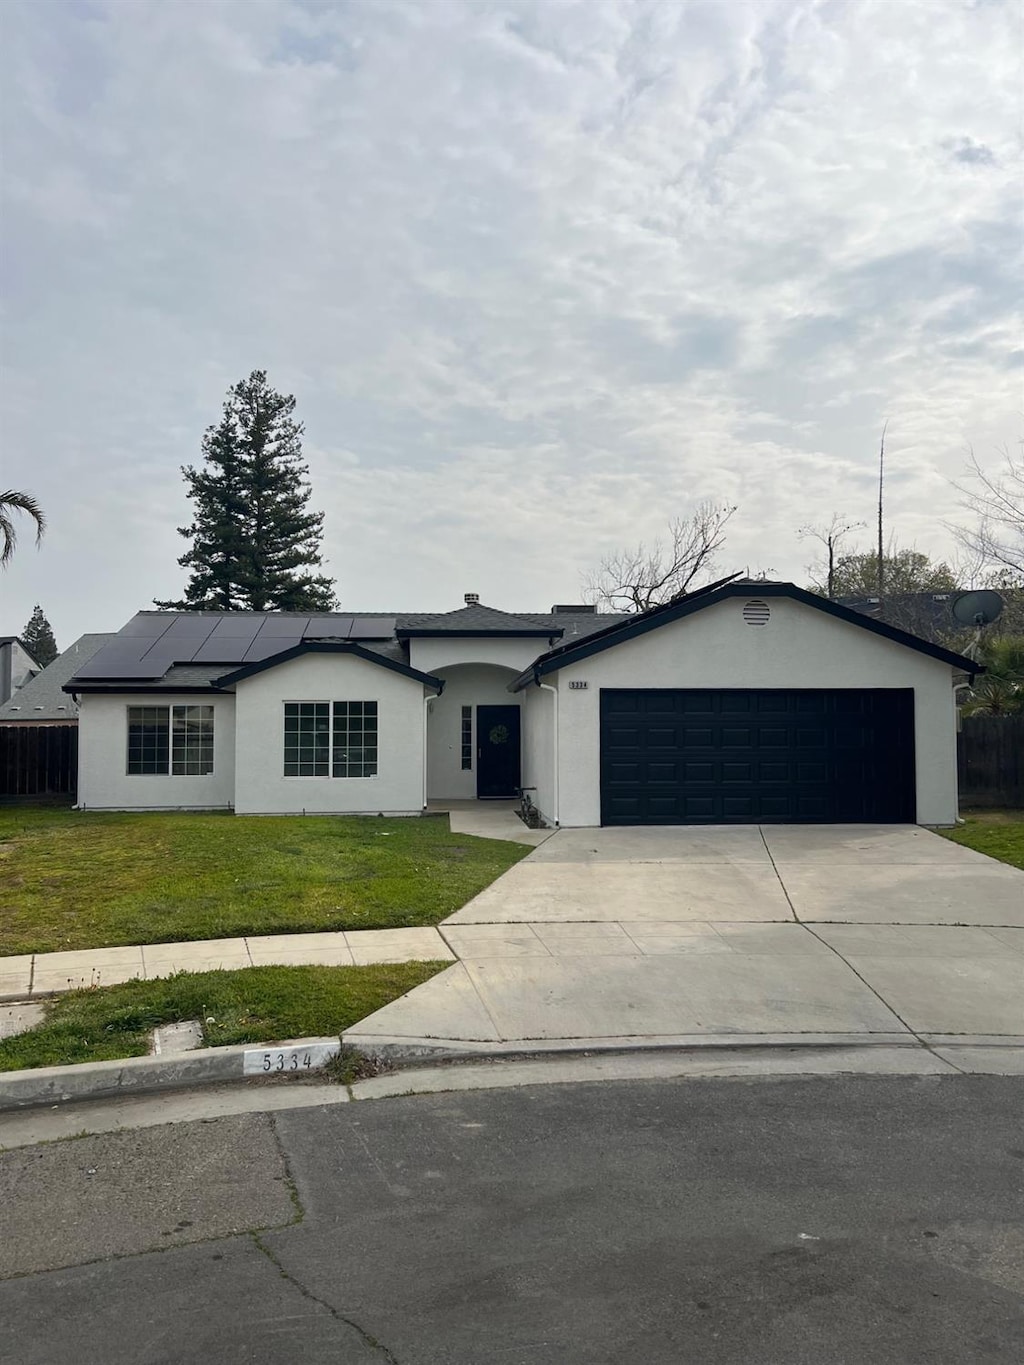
(772, 1221)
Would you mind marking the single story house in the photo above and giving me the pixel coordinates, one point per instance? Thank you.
(742, 702)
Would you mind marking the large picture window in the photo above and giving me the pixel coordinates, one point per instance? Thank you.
(330, 739)
(175, 740)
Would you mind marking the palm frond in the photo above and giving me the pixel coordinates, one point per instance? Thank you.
(12, 501)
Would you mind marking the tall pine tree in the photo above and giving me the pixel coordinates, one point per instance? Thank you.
(37, 637)
(254, 540)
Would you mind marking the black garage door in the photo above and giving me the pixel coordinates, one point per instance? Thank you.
(745, 757)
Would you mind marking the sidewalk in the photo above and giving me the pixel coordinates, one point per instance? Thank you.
(40, 974)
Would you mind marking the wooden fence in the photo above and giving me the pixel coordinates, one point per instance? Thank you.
(38, 760)
(990, 761)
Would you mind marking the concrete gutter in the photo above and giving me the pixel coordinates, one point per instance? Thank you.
(56, 1086)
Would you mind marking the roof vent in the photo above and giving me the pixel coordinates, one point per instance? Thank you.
(471, 599)
(574, 609)
(757, 613)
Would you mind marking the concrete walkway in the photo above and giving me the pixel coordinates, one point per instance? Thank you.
(645, 936)
(41, 974)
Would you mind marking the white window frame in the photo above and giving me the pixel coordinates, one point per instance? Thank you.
(172, 711)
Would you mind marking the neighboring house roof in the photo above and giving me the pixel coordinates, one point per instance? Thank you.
(330, 647)
(634, 626)
(930, 614)
(42, 698)
(17, 640)
(189, 651)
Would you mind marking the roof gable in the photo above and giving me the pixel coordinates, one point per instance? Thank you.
(325, 647)
(647, 621)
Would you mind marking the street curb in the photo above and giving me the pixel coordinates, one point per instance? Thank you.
(57, 1085)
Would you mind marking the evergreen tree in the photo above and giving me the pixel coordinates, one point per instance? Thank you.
(253, 538)
(37, 637)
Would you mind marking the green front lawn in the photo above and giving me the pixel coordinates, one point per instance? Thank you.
(253, 1005)
(999, 833)
(78, 879)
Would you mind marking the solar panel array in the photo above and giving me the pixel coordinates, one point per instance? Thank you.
(153, 641)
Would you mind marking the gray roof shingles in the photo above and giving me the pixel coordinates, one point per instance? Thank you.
(42, 698)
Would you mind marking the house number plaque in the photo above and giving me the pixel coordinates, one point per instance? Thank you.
(576, 686)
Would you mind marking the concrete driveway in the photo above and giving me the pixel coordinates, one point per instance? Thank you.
(693, 935)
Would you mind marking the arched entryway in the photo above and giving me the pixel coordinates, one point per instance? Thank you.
(474, 735)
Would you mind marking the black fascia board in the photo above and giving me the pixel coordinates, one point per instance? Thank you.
(136, 685)
(527, 632)
(675, 611)
(320, 647)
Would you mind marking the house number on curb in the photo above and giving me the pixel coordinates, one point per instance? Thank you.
(268, 1062)
(577, 686)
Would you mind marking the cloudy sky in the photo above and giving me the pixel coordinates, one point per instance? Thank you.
(540, 273)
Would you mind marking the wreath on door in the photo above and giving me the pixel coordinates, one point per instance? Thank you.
(498, 734)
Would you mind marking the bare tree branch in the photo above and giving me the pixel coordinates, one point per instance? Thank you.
(996, 500)
(648, 575)
(831, 537)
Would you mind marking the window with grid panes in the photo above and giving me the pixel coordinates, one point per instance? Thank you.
(307, 739)
(355, 739)
(175, 740)
(191, 741)
(467, 737)
(148, 739)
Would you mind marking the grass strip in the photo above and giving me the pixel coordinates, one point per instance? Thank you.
(251, 1005)
(998, 833)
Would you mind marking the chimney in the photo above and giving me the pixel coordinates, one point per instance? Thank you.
(573, 609)
(471, 598)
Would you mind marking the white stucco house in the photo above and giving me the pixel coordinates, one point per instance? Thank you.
(740, 703)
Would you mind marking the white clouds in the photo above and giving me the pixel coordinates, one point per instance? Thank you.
(534, 271)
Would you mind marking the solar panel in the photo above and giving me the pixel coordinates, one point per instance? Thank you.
(229, 641)
(320, 627)
(191, 627)
(372, 628)
(150, 626)
(264, 646)
(115, 658)
(286, 625)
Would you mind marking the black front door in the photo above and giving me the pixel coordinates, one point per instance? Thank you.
(497, 751)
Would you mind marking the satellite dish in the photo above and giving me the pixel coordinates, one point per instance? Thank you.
(977, 608)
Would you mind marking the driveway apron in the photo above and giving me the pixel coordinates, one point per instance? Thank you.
(878, 933)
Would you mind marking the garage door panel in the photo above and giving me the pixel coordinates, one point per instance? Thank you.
(663, 772)
(737, 772)
(773, 738)
(824, 756)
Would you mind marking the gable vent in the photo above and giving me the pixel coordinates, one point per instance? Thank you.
(757, 613)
